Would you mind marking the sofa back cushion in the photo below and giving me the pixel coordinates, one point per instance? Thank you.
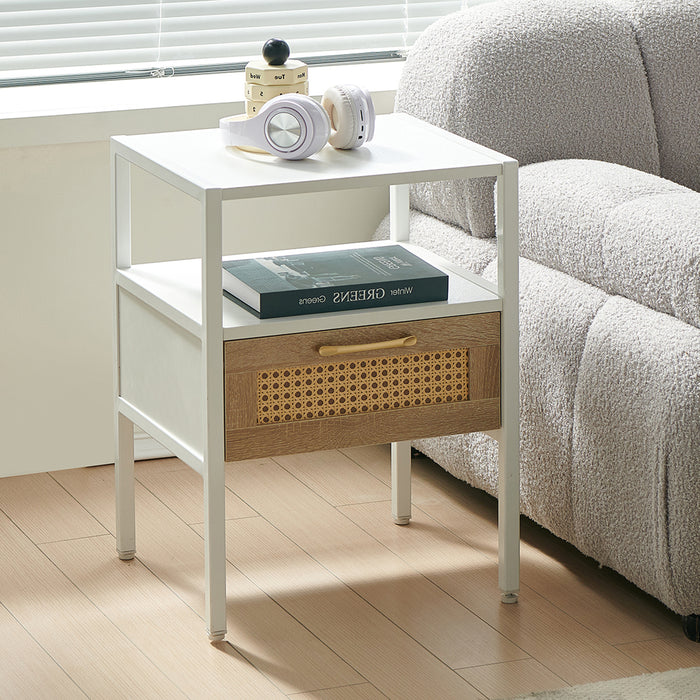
(668, 34)
(537, 81)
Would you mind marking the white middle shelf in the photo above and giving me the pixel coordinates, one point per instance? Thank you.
(174, 289)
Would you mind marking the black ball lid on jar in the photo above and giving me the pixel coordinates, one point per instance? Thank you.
(275, 52)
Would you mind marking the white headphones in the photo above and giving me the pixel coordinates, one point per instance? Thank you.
(295, 126)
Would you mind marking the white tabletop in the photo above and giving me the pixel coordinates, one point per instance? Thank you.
(404, 150)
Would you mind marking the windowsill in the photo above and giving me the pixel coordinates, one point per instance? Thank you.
(81, 112)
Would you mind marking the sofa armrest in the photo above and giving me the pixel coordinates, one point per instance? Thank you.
(627, 232)
(449, 242)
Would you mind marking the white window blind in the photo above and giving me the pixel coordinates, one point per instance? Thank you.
(52, 40)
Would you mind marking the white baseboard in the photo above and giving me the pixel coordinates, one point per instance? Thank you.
(145, 447)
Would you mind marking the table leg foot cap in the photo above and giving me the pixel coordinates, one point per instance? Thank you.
(403, 520)
(509, 598)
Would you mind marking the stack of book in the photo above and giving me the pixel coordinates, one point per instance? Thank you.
(339, 279)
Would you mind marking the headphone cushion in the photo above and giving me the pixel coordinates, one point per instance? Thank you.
(342, 107)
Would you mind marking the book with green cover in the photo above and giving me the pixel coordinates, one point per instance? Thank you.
(291, 284)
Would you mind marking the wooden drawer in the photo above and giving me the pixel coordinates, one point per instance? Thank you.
(282, 396)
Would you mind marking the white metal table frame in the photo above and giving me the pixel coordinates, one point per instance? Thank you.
(210, 332)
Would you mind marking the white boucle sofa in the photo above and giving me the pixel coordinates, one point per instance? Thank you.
(599, 101)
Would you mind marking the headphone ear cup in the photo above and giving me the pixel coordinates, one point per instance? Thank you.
(341, 111)
(289, 126)
(312, 118)
(351, 113)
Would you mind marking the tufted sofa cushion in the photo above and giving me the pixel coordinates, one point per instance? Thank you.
(610, 386)
(668, 33)
(622, 230)
(609, 423)
(578, 90)
(636, 450)
(609, 426)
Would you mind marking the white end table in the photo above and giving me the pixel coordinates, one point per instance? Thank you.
(181, 372)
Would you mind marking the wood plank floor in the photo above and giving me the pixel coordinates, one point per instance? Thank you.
(327, 598)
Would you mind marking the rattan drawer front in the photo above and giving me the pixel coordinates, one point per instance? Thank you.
(348, 387)
(282, 396)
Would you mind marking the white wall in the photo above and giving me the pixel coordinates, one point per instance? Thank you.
(55, 284)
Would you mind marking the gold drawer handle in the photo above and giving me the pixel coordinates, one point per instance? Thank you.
(330, 350)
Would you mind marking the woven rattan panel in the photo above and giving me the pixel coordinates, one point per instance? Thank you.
(362, 386)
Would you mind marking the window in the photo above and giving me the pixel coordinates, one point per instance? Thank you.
(65, 40)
